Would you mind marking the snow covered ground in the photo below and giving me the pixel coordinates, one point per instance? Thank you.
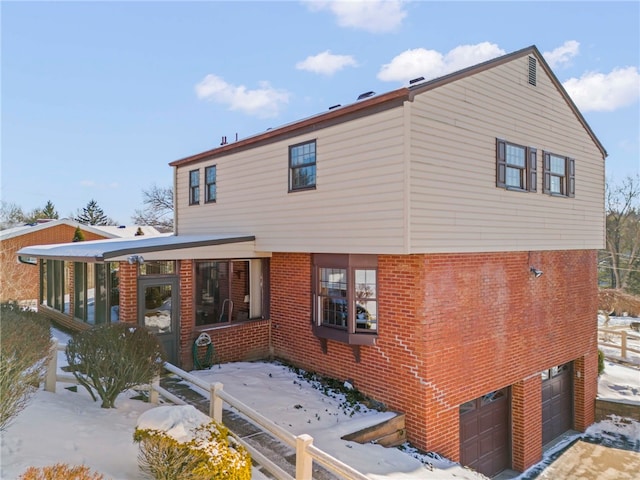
(69, 427)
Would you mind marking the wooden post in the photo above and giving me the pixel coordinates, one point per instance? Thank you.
(154, 396)
(304, 461)
(623, 344)
(51, 376)
(215, 405)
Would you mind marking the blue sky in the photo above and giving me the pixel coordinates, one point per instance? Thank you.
(98, 97)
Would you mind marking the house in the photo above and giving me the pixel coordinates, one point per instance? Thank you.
(20, 281)
(434, 245)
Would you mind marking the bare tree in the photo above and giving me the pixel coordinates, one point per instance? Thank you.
(158, 209)
(11, 215)
(622, 256)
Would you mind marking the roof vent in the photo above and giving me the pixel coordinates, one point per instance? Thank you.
(122, 226)
(532, 71)
(416, 80)
(334, 106)
(366, 95)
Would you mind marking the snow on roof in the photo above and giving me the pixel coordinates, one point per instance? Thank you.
(105, 231)
(129, 230)
(102, 250)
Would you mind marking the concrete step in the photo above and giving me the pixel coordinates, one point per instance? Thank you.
(390, 433)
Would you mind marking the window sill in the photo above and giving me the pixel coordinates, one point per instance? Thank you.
(219, 325)
(342, 336)
(302, 189)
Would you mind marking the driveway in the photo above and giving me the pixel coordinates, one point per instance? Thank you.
(586, 461)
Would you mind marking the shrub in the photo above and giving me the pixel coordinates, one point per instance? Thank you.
(60, 471)
(600, 362)
(25, 341)
(198, 448)
(113, 358)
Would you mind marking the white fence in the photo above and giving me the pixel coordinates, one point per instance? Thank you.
(306, 452)
(620, 339)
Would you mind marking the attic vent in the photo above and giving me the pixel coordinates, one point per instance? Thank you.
(532, 71)
(416, 80)
(365, 95)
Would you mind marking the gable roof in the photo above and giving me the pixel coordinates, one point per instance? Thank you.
(105, 231)
(387, 100)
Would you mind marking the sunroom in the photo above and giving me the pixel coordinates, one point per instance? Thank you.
(177, 286)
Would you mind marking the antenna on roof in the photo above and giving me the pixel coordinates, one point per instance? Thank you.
(416, 80)
(366, 95)
(224, 140)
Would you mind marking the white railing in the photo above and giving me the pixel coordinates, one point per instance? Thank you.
(306, 452)
(605, 340)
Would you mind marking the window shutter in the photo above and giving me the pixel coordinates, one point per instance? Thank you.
(533, 170)
(501, 164)
(546, 184)
(571, 177)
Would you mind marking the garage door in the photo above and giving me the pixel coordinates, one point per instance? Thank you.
(484, 433)
(557, 402)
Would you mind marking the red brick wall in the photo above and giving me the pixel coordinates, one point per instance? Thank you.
(526, 419)
(128, 286)
(452, 328)
(19, 281)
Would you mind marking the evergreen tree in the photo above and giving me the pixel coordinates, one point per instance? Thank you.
(92, 214)
(49, 210)
(78, 235)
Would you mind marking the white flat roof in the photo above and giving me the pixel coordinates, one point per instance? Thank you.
(162, 247)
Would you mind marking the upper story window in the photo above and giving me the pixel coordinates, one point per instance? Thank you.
(559, 175)
(516, 166)
(345, 297)
(194, 187)
(210, 184)
(302, 166)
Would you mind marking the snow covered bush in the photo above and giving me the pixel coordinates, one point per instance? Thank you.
(112, 358)
(182, 443)
(61, 471)
(25, 341)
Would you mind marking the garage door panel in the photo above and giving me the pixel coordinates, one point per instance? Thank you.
(557, 402)
(484, 433)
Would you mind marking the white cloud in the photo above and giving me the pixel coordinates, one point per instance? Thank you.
(563, 54)
(602, 92)
(375, 16)
(264, 101)
(326, 63)
(421, 62)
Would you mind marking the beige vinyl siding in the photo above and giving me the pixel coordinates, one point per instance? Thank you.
(356, 207)
(455, 205)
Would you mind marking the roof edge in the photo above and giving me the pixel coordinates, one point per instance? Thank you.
(297, 125)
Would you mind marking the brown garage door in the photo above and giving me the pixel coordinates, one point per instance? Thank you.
(557, 402)
(484, 433)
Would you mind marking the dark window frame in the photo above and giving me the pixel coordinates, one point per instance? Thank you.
(295, 167)
(528, 171)
(194, 187)
(354, 332)
(567, 178)
(210, 185)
